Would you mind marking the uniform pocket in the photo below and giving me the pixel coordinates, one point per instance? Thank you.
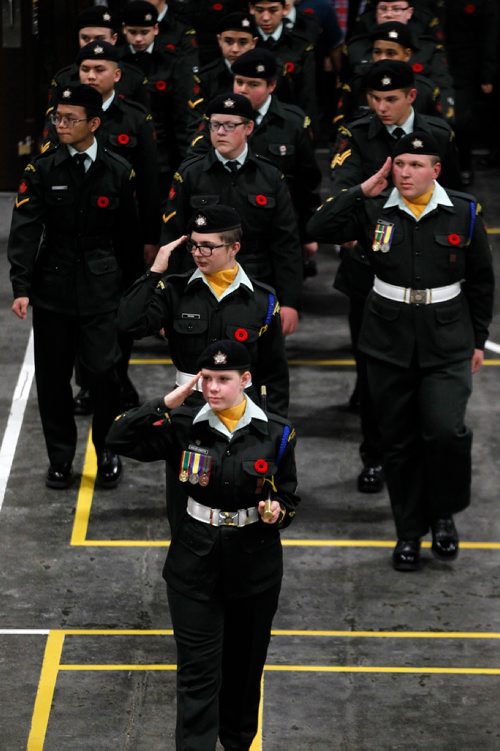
(100, 263)
(199, 201)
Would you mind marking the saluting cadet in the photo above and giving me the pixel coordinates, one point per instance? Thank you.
(361, 150)
(232, 174)
(224, 566)
(295, 54)
(169, 85)
(71, 243)
(423, 333)
(237, 35)
(97, 24)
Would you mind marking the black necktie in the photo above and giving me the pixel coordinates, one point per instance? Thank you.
(79, 160)
(233, 166)
(398, 133)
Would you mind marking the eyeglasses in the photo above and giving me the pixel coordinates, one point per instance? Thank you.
(392, 8)
(70, 122)
(214, 126)
(205, 250)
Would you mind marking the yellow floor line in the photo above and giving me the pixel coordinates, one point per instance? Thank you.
(287, 543)
(45, 693)
(85, 495)
(257, 741)
(343, 362)
(296, 632)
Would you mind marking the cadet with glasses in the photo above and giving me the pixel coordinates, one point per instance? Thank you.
(224, 566)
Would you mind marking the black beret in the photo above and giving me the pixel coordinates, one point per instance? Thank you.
(140, 13)
(230, 104)
(96, 15)
(411, 4)
(217, 218)
(98, 51)
(80, 96)
(387, 75)
(225, 354)
(257, 63)
(393, 31)
(417, 142)
(238, 22)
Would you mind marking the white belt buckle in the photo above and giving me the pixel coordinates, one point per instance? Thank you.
(419, 296)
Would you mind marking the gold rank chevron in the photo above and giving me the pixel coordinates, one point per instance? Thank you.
(339, 159)
(20, 203)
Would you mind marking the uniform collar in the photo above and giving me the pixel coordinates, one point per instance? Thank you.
(240, 159)
(262, 112)
(275, 35)
(407, 126)
(240, 279)
(107, 104)
(91, 152)
(439, 198)
(252, 412)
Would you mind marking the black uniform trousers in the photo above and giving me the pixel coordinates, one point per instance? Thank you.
(57, 338)
(425, 443)
(221, 650)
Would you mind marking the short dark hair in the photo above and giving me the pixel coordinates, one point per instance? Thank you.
(231, 236)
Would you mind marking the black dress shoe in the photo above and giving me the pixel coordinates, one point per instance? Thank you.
(59, 477)
(82, 403)
(371, 480)
(406, 555)
(445, 543)
(109, 469)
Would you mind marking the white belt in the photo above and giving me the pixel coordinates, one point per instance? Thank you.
(182, 378)
(416, 296)
(218, 518)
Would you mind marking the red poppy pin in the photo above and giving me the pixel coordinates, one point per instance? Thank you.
(123, 139)
(23, 187)
(261, 200)
(309, 10)
(160, 85)
(241, 335)
(454, 239)
(261, 466)
(470, 8)
(103, 202)
(170, 46)
(217, 6)
(417, 67)
(289, 67)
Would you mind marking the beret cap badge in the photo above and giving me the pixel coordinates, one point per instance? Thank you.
(386, 81)
(200, 220)
(417, 144)
(220, 358)
(229, 103)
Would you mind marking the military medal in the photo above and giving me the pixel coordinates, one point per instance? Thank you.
(205, 471)
(194, 468)
(382, 237)
(183, 475)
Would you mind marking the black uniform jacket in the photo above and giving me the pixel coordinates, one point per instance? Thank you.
(213, 79)
(472, 40)
(127, 129)
(193, 317)
(448, 245)
(205, 16)
(284, 137)
(89, 232)
(270, 248)
(204, 559)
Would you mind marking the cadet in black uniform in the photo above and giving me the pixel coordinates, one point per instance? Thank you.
(96, 24)
(282, 133)
(217, 301)
(176, 36)
(426, 317)
(237, 34)
(224, 566)
(78, 200)
(391, 41)
(169, 85)
(295, 53)
(361, 149)
(231, 174)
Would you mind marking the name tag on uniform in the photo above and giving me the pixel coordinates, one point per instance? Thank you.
(383, 235)
(190, 315)
(59, 187)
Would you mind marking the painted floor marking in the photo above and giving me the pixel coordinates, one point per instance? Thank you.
(85, 495)
(16, 416)
(46, 688)
(305, 362)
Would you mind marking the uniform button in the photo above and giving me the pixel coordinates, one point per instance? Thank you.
(418, 278)
(417, 253)
(190, 326)
(226, 483)
(228, 452)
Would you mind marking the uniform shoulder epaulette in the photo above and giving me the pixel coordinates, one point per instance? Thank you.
(209, 67)
(62, 72)
(437, 122)
(280, 420)
(361, 122)
(262, 285)
(132, 104)
(188, 162)
(268, 161)
(295, 111)
(117, 157)
(49, 150)
(460, 194)
(424, 82)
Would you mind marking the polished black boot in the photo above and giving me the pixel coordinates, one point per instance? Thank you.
(406, 555)
(445, 542)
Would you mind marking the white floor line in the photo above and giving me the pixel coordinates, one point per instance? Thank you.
(24, 631)
(492, 346)
(16, 416)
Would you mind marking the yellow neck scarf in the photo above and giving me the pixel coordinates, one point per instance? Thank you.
(418, 204)
(221, 280)
(231, 417)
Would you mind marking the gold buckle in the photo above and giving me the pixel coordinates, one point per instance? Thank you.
(418, 296)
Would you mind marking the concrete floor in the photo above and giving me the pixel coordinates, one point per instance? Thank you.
(363, 658)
